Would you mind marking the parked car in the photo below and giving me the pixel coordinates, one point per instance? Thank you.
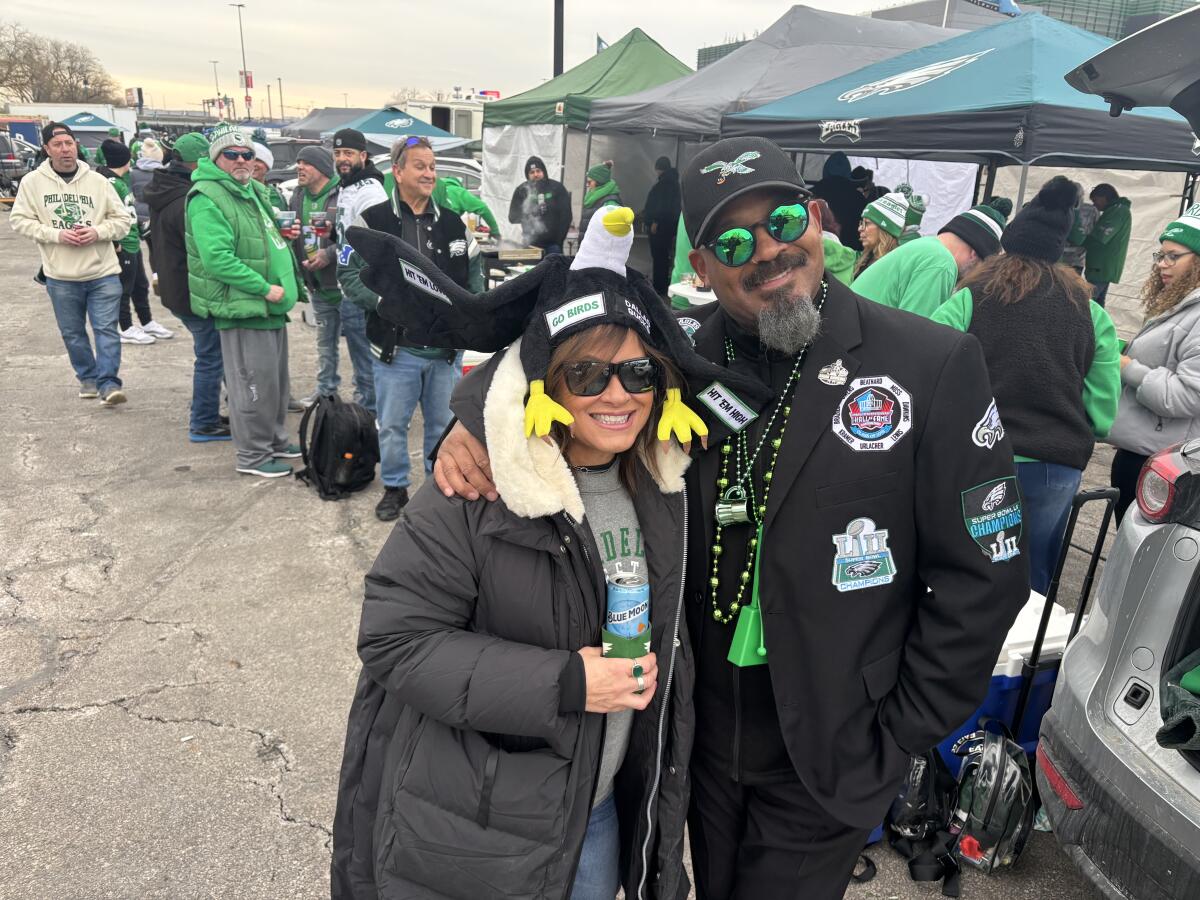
(15, 161)
(285, 150)
(1124, 807)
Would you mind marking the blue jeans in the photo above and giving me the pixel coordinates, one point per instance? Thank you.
(1047, 490)
(74, 303)
(207, 371)
(399, 386)
(334, 320)
(597, 877)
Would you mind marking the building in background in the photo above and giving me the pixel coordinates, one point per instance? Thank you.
(706, 56)
(1113, 18)
(962, 14)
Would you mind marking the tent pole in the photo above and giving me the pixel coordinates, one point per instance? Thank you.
(1189, 192)
(990, 184)
(1021, 190)
(678, 150)
(587, 164)
(562, 160)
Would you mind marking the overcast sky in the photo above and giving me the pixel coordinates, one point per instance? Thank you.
(371, 48)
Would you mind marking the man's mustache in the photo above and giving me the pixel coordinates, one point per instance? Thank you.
(765, 271)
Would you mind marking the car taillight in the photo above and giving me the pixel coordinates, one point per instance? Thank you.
(1156, 485)
(1059, 784)
(9, 157)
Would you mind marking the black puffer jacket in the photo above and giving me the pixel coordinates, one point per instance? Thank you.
(461, 778)
(166, 196)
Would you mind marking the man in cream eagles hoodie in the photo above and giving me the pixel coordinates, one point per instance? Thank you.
(75, 215)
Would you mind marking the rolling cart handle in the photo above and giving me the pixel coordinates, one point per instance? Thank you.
(1108, 496)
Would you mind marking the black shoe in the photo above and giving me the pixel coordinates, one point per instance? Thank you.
(394, 499)
(224, 420)
(209, 433)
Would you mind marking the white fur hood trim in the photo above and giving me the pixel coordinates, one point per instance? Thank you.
(532, 475)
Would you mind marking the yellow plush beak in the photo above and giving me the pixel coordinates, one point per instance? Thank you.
(618, 221)
(541, 411)
(677, 418)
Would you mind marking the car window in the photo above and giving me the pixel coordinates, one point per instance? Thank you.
(285, 154)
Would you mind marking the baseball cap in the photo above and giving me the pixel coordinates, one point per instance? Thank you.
(727, 170)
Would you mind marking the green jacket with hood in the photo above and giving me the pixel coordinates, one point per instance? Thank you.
(235, 253)
(1108, 243)
(132, 242)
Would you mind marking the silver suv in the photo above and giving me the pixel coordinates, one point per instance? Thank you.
(1124, 807)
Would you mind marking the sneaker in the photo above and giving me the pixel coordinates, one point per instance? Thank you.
(291, 451)
(295, 405)
(394, 499)
(112, 397)
(135, 335)
(208, 433)
(88, 390)
(269, 469)
(161, 332)
(224, 420)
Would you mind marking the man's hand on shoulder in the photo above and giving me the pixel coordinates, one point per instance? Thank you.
(462, 467)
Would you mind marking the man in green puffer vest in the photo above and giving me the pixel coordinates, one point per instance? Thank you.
(242, 275)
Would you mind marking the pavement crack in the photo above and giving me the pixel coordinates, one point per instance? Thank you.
(118, 702)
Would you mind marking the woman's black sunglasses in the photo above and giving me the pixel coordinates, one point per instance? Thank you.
(591, 378)
(734, 247)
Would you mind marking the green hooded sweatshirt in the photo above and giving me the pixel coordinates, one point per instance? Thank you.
(1108, 242)
(132, 242)
(235, 253)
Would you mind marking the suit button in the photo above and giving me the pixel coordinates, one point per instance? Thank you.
(567, 538)
(672, 770)
(562, 549)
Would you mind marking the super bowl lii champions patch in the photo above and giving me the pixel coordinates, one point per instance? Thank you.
(874, 415)
(993, 517)
(863, 558)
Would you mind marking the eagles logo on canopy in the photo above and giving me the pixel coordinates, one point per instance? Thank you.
(556, 299)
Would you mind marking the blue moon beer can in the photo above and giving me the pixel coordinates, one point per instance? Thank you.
(628, 606)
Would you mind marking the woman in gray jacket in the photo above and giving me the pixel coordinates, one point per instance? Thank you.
(493, 749)
(1160, 371)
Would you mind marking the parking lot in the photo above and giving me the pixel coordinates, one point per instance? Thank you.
(177, 642)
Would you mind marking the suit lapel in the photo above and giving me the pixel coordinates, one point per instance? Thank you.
(710, 343)
(814, 402)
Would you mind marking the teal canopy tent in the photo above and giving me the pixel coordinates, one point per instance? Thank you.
(383, 126)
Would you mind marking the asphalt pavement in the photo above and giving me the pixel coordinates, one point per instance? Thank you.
(177, 641)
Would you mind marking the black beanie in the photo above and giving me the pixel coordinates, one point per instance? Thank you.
(116, 154)
(662, 164)
(535, 161)
(1040, 229)
(350, 139)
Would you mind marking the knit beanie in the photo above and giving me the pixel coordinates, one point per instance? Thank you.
(226, 135)
(1040, 230)
(890, 212)
(535, 161)
(600, 174)
(114, 132)
(916, 213)
(116, 154)
(980, 226)
(1185, 230)
(317, 157)
(192, 147)
(150, 149)
(263, 152)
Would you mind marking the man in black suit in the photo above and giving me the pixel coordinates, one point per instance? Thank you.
(869, 519)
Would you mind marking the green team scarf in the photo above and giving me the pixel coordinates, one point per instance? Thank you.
(591, 198)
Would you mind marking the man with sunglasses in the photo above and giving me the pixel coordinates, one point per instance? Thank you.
(406, 375)
(242, 275)
(856, 555)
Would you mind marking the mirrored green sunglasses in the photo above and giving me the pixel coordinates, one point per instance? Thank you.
(735, 246)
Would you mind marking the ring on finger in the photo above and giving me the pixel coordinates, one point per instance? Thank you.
(641, 683)
(638, 671)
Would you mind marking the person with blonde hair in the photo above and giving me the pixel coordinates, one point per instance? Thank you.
(1160, 369)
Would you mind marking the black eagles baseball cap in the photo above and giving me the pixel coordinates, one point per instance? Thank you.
(727, 170)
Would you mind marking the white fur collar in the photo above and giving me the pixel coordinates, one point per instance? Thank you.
(532, 475)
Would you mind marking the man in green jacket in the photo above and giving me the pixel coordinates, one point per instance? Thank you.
(1108, 242)
(242, 274)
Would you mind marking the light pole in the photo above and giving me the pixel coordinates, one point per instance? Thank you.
(345, 99)
(217, 85)
(245, 73)
(282, 108)
(270, 112)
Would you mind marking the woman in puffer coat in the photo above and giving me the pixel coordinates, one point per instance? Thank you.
(492, 750)
(1160, 370)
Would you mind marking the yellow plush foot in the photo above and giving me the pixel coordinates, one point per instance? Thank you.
(677, 418)
(618, 221)
(541, 411)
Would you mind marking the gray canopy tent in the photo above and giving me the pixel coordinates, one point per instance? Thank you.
(804, 48)
(327, 118)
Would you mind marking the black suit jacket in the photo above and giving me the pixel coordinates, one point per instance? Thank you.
(867, 675)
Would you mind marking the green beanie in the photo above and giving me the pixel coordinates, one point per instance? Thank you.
(916, 212)
(192, 147)
(889, 212)
(600, 174)
(114, 132)
(1185, 230)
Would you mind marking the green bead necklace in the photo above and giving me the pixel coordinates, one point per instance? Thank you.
(744, 480)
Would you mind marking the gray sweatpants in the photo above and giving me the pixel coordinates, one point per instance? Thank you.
(256, 377)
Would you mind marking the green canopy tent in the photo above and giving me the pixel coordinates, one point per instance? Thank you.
(550, 121)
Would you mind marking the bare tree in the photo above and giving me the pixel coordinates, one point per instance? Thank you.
(37, 69)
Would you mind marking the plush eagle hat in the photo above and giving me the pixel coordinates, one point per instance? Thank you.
(556, 299)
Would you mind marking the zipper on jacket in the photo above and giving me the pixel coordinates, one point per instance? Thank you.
(662, 715)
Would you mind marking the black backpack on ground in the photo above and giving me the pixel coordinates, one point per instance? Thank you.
(340, 447)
